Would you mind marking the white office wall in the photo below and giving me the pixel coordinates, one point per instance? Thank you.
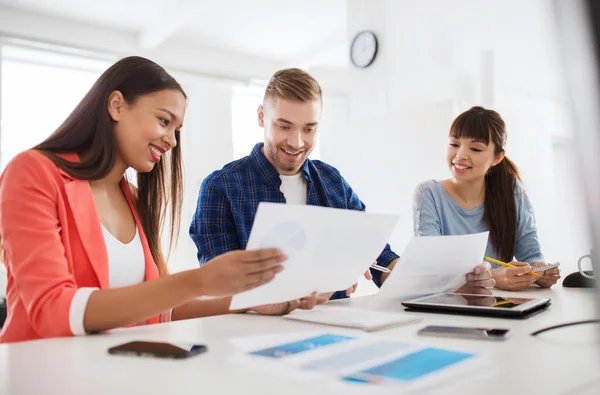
(437, 59)
(206, 145)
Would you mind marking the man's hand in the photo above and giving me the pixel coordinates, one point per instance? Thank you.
(390, 267)
(352, 289)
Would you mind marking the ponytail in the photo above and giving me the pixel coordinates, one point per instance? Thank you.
(500, 213)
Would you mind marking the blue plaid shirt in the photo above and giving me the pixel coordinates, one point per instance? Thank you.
(229, 198)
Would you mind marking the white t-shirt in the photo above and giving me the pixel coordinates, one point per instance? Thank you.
(294, 188)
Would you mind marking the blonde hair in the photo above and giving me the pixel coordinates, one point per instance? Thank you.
(293, 84)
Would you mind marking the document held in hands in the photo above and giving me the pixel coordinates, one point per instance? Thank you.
(432, 264)
(328, 249)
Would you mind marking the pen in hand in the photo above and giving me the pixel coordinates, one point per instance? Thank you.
(492, 260)
(380, 268)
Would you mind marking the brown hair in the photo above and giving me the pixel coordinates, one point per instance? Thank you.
(88, 131)
(500, 213)
(293, 84)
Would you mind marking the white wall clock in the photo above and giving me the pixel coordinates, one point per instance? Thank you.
(363, 49)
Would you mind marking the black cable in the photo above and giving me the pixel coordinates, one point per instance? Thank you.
(565, 325)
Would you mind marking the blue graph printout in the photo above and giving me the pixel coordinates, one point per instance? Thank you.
(411, 366)
(300, 346)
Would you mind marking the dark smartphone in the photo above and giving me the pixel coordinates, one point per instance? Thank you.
(157, 349)
(466, 333)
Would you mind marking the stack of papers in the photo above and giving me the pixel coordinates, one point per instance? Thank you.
(347, 361)
(366, 320)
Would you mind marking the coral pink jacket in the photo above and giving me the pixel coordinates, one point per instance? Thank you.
(53, 244)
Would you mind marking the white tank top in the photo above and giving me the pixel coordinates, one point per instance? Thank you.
(125, 261)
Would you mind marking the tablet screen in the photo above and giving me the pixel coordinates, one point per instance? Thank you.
(475, 300)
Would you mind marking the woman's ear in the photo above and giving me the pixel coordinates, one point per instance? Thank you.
(498, 159)
(116, 102)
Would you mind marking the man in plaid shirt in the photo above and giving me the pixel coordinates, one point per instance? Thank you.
(279, 171)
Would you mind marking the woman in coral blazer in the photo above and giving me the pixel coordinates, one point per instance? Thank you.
(71, 224)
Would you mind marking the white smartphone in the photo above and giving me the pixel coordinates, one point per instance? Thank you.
(464, 332)
(544, 268)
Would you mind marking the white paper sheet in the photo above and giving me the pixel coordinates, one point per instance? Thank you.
(367, 320)
(328, 249)
(432, 264)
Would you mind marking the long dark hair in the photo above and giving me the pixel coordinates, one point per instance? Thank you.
(500, 212)
(88, 131)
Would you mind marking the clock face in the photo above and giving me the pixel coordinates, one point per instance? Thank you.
(363, 49)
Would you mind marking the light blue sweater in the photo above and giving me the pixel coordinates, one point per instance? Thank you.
(435, 213)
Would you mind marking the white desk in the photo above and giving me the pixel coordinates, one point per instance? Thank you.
(568, 360)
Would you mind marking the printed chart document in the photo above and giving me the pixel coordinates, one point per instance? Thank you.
(351, 361)
(432, 264)
(328, 249)
(350, 317)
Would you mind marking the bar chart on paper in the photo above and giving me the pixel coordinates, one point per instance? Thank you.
(300, 346)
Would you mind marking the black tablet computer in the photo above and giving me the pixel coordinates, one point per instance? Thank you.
(484, 305)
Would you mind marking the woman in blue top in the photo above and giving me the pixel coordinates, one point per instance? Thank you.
(484, 194)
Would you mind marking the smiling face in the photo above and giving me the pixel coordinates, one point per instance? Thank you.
(291, 129)
(475, 144)
(146, 129)
(470, 159)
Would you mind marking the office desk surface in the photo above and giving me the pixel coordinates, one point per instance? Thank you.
(563, 361)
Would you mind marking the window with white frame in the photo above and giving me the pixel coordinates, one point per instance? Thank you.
(244, 123)
(38, 90)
